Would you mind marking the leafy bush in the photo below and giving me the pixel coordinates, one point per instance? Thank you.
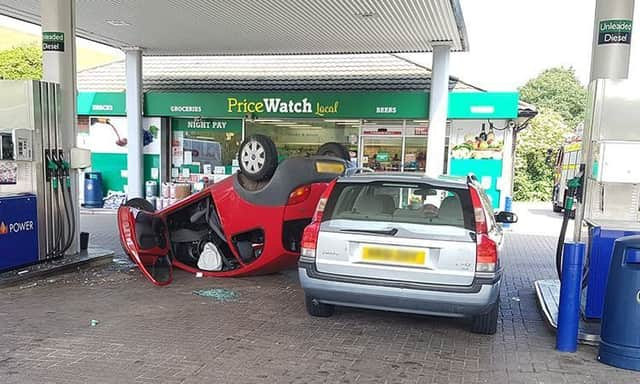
(19, 63)
(560, 90)
(561, 100)
(533, 179)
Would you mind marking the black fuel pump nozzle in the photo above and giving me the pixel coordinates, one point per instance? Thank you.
(64, 175)
(574, 192)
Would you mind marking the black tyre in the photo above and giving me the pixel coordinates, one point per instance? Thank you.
(557, 208)
(334, 149)
(318, 309)
(258, 157)
(141, 204)
(486, 324)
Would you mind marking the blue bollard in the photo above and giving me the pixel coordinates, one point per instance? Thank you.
(569, 307)
(508, 207)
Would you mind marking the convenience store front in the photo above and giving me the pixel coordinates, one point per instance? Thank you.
(196, 135)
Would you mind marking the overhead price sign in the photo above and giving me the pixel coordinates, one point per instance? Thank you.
(615, 31)
(53, 41)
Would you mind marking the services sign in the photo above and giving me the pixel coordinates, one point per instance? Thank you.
(101, 104)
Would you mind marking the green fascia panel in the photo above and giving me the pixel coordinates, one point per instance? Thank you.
(151, 161)
(349, 105)
(481, 168)
(102, 104)
(111, 166)
(483, 105)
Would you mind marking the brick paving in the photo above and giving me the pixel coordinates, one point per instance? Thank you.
(147, 334)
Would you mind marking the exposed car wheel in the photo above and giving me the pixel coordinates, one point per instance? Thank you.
(258, 157)
(486, 324)
(334, 149)
(318, 309)
(557, 208)
(141, 204)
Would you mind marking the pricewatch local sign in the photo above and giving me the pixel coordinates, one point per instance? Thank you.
(288, 104)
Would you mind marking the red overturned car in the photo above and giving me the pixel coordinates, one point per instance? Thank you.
(249, 223)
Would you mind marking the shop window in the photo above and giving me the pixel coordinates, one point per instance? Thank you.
(203, 147)
(304, 137)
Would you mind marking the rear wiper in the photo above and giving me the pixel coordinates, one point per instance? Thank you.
(388, 232)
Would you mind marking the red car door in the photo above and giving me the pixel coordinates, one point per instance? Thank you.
(144, 237)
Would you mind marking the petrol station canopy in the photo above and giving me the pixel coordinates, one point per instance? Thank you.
(249, 27)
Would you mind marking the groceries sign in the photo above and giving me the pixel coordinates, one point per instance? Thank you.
(616, 31)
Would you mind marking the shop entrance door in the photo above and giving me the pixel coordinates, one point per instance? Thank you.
(382, 146)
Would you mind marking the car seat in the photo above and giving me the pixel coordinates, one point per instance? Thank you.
(451, 211)
(387, 203)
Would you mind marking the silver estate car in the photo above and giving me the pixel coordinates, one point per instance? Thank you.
(407, 243)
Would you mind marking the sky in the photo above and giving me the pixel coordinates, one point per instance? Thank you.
(36, 30)
(511, 41)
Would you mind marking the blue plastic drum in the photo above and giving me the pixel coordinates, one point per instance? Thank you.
(620, 334)
(93, 190)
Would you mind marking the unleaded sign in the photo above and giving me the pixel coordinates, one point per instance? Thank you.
(53, 41)
(616, 31)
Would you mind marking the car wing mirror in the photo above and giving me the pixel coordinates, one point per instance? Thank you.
(506, 217)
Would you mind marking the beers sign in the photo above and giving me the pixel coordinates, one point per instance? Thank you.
(616, 31)
(53, 41)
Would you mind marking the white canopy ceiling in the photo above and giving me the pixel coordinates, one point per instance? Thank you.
(258, 27)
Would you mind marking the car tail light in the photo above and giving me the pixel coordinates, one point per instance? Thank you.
(299, 195)
(478, 211)
(310, 235)
(486, 249)
(486, 254)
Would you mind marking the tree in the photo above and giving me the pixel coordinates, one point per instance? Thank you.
(560, 90)
(533, 179)
(23, 62)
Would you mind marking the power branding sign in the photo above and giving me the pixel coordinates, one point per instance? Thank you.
(18, 231)
(53, 41)
(615, 31)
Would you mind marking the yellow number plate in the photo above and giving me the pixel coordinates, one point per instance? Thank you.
(394, 255)
(329, 167)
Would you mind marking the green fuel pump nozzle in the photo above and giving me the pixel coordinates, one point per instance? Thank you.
(574, 188)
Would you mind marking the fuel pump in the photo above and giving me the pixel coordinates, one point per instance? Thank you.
(37, 211)
(606, 196)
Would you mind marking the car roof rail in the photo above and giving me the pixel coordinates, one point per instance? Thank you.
(472, 179)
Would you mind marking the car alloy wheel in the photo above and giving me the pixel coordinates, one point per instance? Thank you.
(253, 157)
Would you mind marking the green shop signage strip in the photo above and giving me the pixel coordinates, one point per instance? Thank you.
(102, 104)
(288, 104)
(327, 105)
(53, 41)
(614, 31)
(197, 124)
